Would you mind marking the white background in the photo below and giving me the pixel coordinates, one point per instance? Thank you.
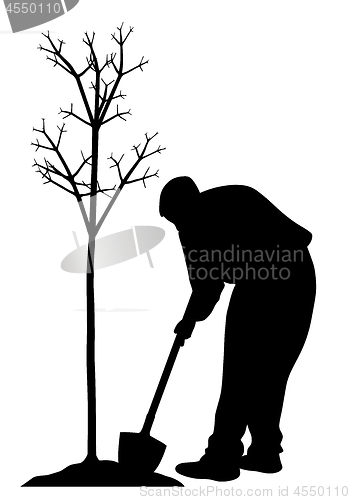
(253, 92)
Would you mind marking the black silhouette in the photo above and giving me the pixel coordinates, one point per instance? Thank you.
(233, 234)
(92, 471)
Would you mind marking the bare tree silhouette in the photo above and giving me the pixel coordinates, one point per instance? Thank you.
(59, 173)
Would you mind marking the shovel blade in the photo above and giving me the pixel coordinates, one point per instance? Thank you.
(140, 452)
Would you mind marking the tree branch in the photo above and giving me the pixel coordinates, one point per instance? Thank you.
(117, 164)
(99, 190)
(143, 154)
(125, 180)
(61, 129)
(38, 145)
(106, 64)
(103, 191)
(144, 177)
(49, 167)
(117, 115)
(70, 113)
(119, 70)
(56, 63)
(54, 147)
(57, 52)
(122, 40)
(89, 66)
(136, 149)
(119, 95)
(46, 173)
(104, 97)
(84, 162)
(69, 177)
(139, 65)
(90, 43)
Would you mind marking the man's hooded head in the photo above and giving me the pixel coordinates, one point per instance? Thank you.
(177, 199)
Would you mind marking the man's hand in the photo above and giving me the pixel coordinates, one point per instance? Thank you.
(185, 328)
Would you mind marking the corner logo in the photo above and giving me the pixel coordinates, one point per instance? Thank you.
(26, 15)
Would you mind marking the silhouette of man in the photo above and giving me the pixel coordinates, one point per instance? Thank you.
(233, 234)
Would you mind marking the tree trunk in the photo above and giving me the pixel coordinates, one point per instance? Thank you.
(90, 304)
(90, 354)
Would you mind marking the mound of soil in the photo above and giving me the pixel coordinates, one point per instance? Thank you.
(101, 473)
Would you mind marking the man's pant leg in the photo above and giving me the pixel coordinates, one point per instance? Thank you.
(285, 322)
(266, 327)
(231, 416)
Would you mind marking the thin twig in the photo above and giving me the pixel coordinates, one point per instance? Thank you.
(70, 113)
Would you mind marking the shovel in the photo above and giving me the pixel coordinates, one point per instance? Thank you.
(140, 451)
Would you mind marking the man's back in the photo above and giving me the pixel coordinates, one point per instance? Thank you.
(240, 215)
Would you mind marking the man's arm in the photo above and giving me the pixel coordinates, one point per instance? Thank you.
(201, 304)
(205, 294)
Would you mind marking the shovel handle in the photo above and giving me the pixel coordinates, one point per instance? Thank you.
(178, 342)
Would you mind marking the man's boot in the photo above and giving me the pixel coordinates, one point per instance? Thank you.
(210, 467)
(261, 462)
